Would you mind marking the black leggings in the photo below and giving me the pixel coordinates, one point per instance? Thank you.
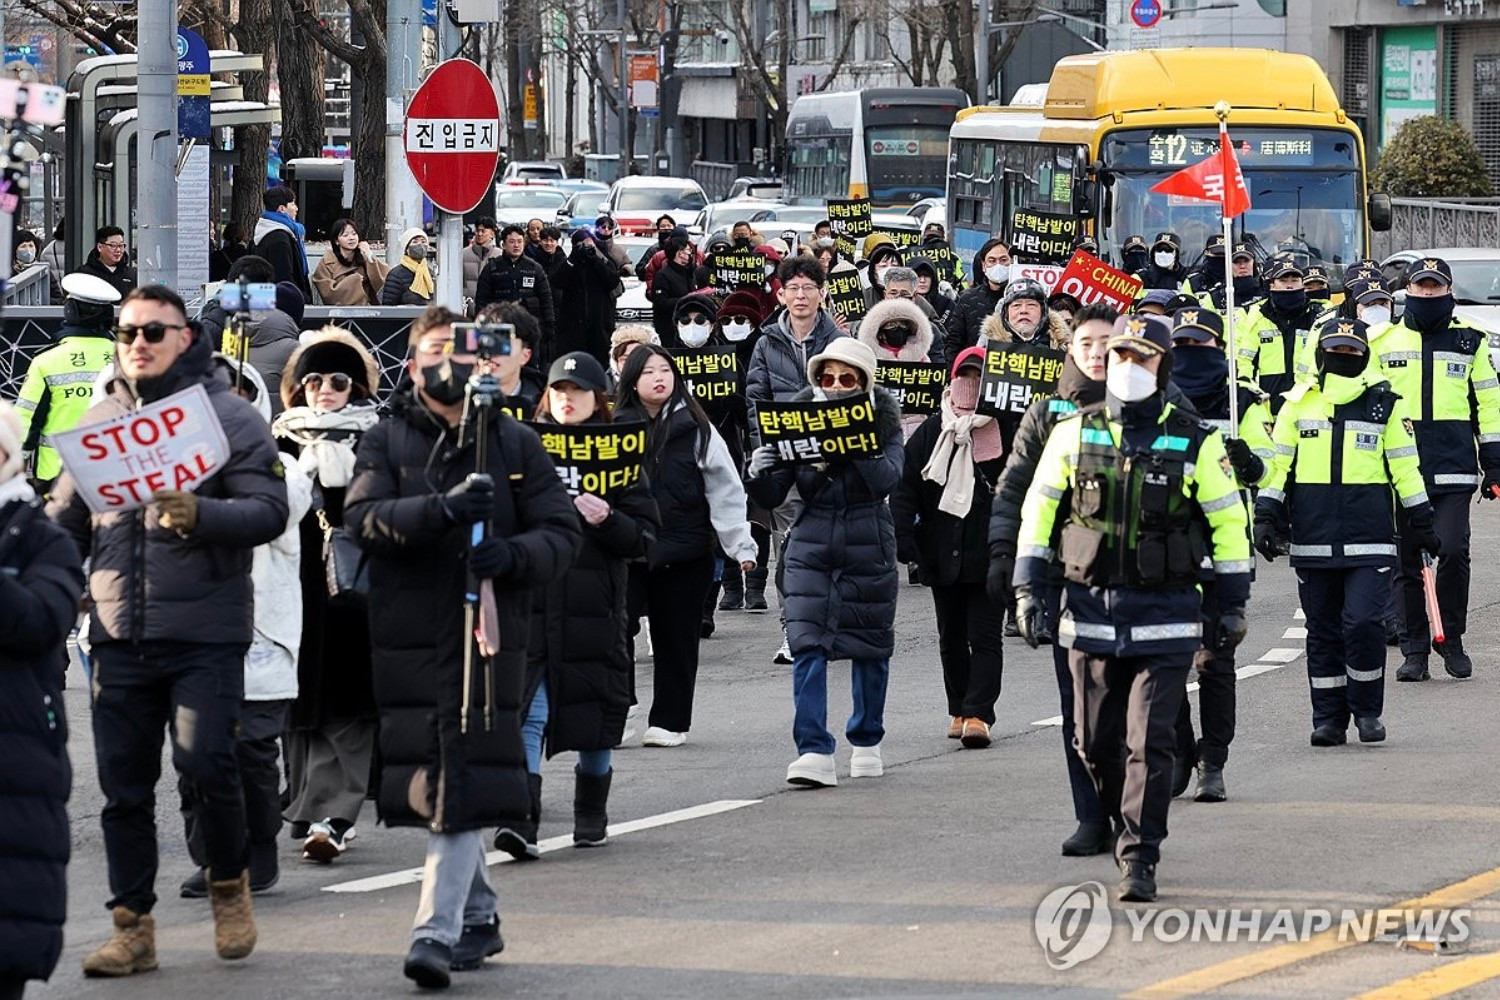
(674, 604)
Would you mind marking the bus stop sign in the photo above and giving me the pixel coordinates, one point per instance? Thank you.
(452, 136)
(1145, 13)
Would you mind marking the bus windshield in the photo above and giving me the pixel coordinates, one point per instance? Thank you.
(906, 162)
(1304, 185)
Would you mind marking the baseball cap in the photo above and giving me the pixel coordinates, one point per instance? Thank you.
(1215, 246)
(1344, 333)
(972, 357)
(1156, 297)
(1281, 267)
(1147, 335)
(1243, 250)
(581, 368)
(1429, 267)
(1197, 323)
(1136, 242)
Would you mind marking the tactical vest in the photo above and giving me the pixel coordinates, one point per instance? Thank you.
(1131, 525)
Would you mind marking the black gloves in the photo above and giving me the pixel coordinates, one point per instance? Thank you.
(1231, 629)
(1269, 541)
(1425, 537)
(1030, 617)
(1490, 488)
(470, 501)
(491, 558)
(1002, 569)
(1248, 466)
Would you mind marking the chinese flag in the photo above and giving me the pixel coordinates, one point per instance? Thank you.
(1205, 181)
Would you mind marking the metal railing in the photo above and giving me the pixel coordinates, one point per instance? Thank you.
(32, 287)
(715, 178)
(1422, 223)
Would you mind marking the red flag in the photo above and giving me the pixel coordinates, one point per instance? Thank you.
(1205, 181)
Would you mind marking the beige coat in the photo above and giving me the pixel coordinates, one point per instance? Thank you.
(340, 284)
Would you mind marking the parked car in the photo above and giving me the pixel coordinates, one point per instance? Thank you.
(521, 203)
(537, 170)
(637, 202)
(810, 214)
(1476, 285)
(759, 188)
(581, 208)
(632, 306)
(721, 215)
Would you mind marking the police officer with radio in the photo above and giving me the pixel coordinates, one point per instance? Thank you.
(1146, 493)
(1276, 329)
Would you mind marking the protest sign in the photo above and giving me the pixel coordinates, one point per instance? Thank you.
(594, 458)
(917, 384)
(712, 373)
(814, 431)
(942, 257)
(852, 220)
(737, 269)
(1013, 372)
(846, 294)
(173, 444)
(904, 239)
(1046, 237)
(1089, 279)
(1045, 274)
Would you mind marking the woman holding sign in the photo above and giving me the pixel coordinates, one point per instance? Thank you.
(698, 490)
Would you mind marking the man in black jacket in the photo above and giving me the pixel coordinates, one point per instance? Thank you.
(972, 308)
(589, 283)
(279, 238)
(450, 741)
(515, 277)
(110, 259)
(172, 622)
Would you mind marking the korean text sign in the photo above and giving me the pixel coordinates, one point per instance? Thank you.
(846, 294)
(737, 270)
(804, 433)
(852, 220)
(1013, 373)
(1045, 237)
(594, 458)
(712, 373)
(918, 384)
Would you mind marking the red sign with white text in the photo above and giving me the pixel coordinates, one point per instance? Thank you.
(1089, 279)
(452, 135)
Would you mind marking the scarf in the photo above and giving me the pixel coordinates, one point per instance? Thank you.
(326, 440)
(421, 277)
(16, 489)
(966, 439)
(299, 231)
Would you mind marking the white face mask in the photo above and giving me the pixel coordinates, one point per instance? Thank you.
(1164, 258)
(997, 274)
(736, 330)
(694, 334)
(1129, 382)
(1375, 314)
(26, 256)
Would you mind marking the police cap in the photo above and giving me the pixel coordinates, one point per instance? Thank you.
(1344, 333)
(89, 289)
(1215, 246)
(1282, 266)
(1146, 335)
(1435, 268)
(1197, 323)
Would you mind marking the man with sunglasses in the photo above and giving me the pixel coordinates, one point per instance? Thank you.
(171, 625)
(110, 259)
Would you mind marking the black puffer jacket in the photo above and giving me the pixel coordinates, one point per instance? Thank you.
(840, 555)
(433, 774)
(671, 283)
(519, 279)
(778, 364)
(397, 288)
(150, 583)
(970, 310)
(579, 627)
(41, 578)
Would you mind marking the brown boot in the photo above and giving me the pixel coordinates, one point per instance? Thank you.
(976, 735)
(234, 922)
(132, 948)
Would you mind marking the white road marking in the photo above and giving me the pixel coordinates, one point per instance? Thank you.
(1249, 670)
(1296, 632)
(1299, 615)
(1282, 654)
(411, 876)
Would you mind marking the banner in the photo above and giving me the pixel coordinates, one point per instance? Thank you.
(712, 373)
(852, 220)
(1013, 373)
(904, 239)
(1046, 275)
(846, 294)
(918, 384)
(172, 444)
(942, 257)
(729, 271)
(594, 458)
(1046, 237)
(1089, 279)
(805, 433)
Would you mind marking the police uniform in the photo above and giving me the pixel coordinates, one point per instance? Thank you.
(1244, 297)
(1269, 342)
(1202, 373)
(1343, 444)
(59, 383)
(1146, 493)
(1454, 403)
(1211, 273)
(1174, 278)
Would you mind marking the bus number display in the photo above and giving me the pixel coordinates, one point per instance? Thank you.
(1167, 148)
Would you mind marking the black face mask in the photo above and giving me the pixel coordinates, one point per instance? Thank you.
(1246, 286)
(1200, 371)
(1136, 260)
(1289, 300)
(896, 335)
(1321, 295)
(1342, 365)
(1429, 314)
(1213, 269)
(743, 243)
(444, 383)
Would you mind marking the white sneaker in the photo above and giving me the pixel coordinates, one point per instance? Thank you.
(866, 763)
(659, 737)
(323, 843)
(813, 770)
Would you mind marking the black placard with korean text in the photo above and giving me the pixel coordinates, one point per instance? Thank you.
(918, 384)
(712, 373)
(1042, 237)
(1013, 373)
(594, 458)
(804, 433)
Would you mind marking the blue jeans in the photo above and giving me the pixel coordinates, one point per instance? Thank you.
(866, 725)
(594, 763)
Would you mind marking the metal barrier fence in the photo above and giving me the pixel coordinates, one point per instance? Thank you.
(1422, 223)
(715, 178)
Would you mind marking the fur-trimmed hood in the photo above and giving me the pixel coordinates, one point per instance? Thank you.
(994, 330)
(334, 350)
(886, 310)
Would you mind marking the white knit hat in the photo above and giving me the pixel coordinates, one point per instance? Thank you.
(10, 442)
(850, 351)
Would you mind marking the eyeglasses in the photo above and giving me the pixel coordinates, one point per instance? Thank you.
(338, 381)
(801, 289)
(897, 293)
(154, 333)
(114, 246)
(844, 380)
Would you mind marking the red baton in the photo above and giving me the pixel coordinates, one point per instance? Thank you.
(1429, 591)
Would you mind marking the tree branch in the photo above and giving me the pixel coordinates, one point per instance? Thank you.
(307, 19)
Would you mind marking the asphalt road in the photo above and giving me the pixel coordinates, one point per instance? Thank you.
(922, 883)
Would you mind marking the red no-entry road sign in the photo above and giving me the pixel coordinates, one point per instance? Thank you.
(452, 135)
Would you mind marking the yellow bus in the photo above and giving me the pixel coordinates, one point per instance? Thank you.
(1109, 125)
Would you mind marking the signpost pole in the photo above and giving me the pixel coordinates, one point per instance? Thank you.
(450, 278)
(156, 176)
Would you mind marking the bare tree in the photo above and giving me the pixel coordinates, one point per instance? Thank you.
(105, 27)
(255, 30)
(923, 23)
(300, 72)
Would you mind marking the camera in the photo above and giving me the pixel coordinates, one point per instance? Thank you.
(483, 340)
(242, 297)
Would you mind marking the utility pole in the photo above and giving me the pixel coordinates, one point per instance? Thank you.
(403, 65)
(620, 62)
(156, 172)
(450, 278)
(670, 93)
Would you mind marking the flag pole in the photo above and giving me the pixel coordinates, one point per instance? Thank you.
(1222, 111)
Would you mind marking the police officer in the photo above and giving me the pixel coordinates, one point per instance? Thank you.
(1165, 269)
(1209, 274)
(1146, 493)
(1135, 255)
(1275, 330)
(1392, 346)
(1343, 443)
(1316, 283)
(60, 381)
(1247, 285)
(1201, 370)
(1454, 403)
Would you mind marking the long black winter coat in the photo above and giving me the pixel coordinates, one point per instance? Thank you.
(669, 284)
(41, 578)
(586, 288)
(840, 555)
(579, 628)
(432, 773)
(946, 549)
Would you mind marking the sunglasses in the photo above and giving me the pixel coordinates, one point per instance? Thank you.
(154, 333)
(844, 380)
(338, 381)
(697, 319)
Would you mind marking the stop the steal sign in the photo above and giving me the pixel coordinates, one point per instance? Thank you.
(173, 444)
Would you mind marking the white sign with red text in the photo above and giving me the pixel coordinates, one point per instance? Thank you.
(173, 444)
(1045, 274)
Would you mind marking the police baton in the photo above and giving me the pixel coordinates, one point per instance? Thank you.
(1429, 593)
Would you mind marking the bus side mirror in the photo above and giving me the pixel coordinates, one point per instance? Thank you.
(1380, 211)
(1085, 197)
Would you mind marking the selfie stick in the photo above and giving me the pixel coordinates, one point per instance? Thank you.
(479, 399)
